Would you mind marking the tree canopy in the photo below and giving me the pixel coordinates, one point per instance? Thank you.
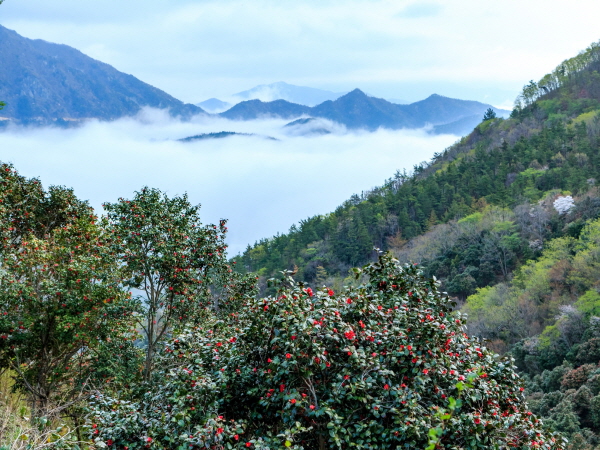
(383, 365)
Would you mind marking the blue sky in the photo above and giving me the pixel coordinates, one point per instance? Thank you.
(401, 49)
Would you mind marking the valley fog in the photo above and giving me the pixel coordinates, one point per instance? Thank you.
(261, 185)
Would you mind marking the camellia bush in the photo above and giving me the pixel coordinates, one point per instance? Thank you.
(385, 365)
(59, 296)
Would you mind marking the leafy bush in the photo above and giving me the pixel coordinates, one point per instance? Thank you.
(575, 378)
(385, 365)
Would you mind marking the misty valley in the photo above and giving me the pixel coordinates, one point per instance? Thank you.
(293, 267)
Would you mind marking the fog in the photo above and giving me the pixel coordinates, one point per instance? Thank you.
(262, 186)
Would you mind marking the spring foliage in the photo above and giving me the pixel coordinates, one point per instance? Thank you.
(384, 365)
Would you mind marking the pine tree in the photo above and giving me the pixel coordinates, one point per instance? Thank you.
(489, 114)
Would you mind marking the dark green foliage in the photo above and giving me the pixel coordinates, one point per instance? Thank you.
(551, 144)
(60, 297)
(489, 114)
(170, 258)
(385, 365)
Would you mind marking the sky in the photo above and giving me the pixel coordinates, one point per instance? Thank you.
(406, 49)
(197, 49)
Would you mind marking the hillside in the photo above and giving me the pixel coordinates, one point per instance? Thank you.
(508, 220)
(548, 144)
(42, 82)
(356, 110)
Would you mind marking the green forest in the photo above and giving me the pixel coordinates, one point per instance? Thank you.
(507, 220)
(456, 306)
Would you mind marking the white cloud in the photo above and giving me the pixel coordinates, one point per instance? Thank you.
(262, 186)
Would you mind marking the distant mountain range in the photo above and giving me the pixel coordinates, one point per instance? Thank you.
(301, 95)
(214, 105)
(283, 91)
(356, 110)
(44, 83)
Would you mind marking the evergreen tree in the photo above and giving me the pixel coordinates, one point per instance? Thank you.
(489, 114)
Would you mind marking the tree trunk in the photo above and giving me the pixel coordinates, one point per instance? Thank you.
(322, 442)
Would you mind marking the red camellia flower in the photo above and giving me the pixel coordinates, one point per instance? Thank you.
(236, 437)
(288, 355)
(350, 334)
(293, 401)
(425, 371)
(148, 439)
(477, 421)
(386, 386)
(349, 301)
(219, 430)
(248, 444)
(312, 406)
(293, 338)
(109, 442)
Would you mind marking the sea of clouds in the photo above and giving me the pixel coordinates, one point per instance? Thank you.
(262, 186)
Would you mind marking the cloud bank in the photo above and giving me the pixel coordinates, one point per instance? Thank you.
(262, 186)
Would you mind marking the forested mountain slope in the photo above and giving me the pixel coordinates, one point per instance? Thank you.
(508, 219)
(549, 145)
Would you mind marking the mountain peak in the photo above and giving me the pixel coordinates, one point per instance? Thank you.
(281, 90)
(357, 91)
(354, 94)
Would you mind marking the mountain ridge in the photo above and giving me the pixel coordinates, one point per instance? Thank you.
(280, 90)
(43, 82)
(357, 110)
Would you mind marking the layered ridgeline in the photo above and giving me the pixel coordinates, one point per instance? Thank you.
(507, 220)
(42, 82)
(357, 110)
(45, 83)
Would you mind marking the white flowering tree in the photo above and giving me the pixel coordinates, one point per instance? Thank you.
(564, 204)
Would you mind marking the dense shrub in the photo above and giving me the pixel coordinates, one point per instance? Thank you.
(385, 365)
(575, 378)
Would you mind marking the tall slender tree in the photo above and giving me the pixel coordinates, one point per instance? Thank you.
(169, 259)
